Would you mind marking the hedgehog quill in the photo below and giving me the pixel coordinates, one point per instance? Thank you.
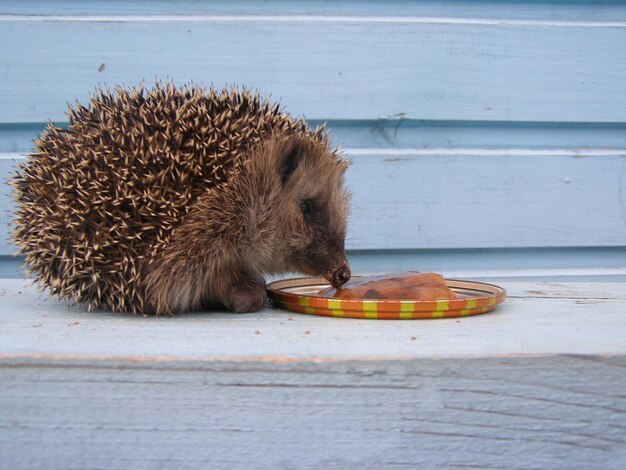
(173, 199)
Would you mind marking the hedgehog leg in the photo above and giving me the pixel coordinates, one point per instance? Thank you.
(172, 286)
(245, 295)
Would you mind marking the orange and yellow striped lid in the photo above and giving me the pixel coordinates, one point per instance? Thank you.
(300, 295)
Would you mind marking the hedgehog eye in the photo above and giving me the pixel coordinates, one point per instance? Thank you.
(306, 207)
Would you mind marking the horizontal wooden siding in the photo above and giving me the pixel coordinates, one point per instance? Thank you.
(489, 126)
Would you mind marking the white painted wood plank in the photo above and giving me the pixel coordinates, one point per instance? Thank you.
(325, 68)
(538, 318)
(560, 412)
(471, 198)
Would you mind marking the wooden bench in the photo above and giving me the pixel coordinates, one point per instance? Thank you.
(539, 383)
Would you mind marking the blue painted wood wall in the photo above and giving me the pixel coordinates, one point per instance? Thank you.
(484, 135)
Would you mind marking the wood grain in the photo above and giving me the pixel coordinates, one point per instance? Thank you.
(552, 412)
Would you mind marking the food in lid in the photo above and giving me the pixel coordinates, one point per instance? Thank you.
(397, 286)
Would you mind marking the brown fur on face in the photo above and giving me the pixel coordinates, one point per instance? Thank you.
(285, 211)
(315, 216)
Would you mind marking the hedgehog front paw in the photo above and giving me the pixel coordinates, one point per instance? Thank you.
(247, 296)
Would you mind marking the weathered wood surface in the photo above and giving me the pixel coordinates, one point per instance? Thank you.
(559, 412)
(537, 384)
(538, 318)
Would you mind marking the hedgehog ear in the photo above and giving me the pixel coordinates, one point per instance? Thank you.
(290, 157)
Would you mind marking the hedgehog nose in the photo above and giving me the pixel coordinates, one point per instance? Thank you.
(341, 276)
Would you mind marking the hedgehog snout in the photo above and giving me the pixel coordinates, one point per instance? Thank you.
(339, 276)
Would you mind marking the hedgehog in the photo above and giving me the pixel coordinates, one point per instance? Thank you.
(173, 199)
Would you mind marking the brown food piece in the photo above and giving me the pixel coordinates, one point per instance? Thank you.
(397, 286)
